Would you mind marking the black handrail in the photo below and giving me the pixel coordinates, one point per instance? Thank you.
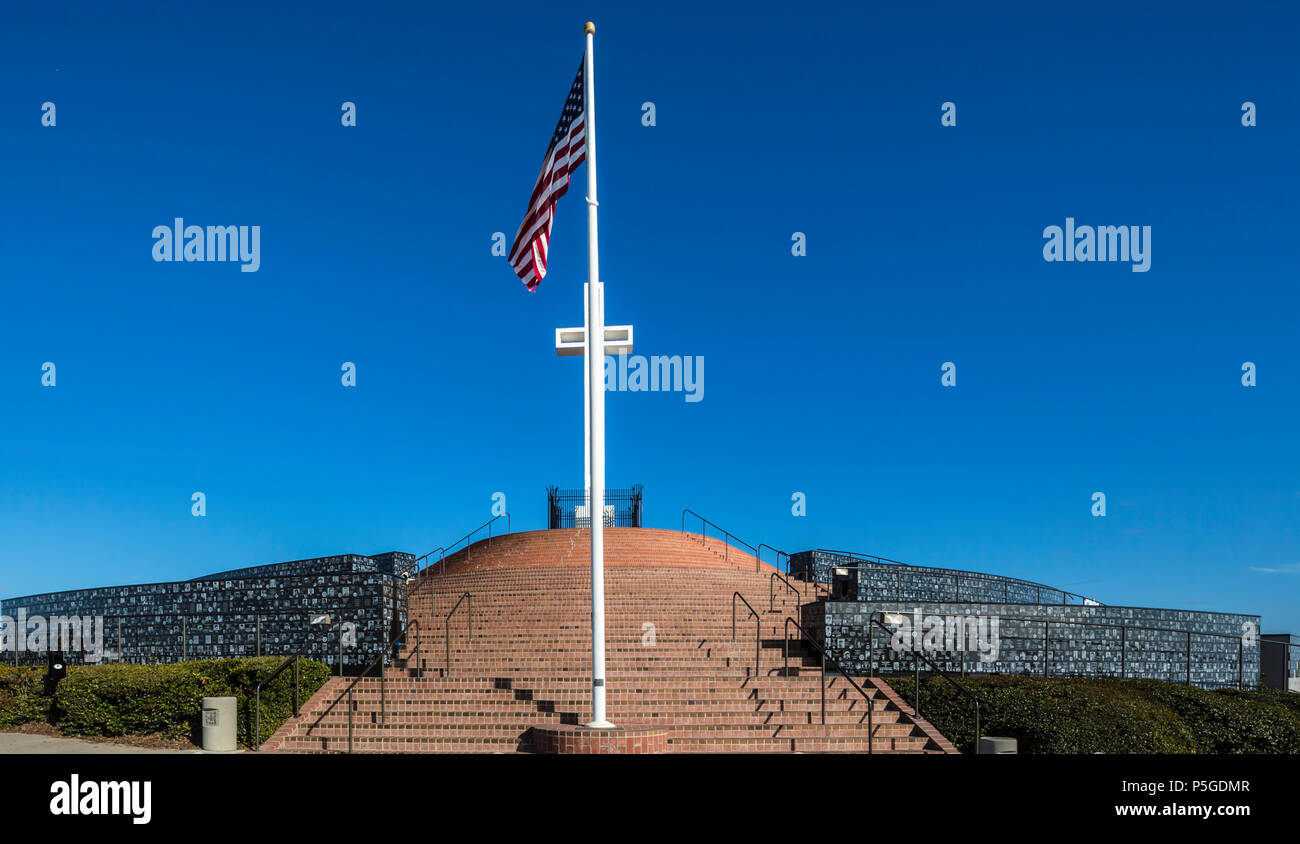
(827, 658)
(417, 565)
(293, 660)
(383, 680)
(726, 543)
(779, 555)
(758, 627)
(442, 551)
(469, 607)
(917, 655)
(771, 590)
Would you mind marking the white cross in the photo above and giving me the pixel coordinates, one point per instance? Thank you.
(572, 342)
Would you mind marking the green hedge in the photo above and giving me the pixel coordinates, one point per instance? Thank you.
(1068, 715)
(22, 696)
(165, 699)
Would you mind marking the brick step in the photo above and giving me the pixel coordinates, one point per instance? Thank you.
(632, 681)
(679, 723)
(529, 661)
(683, 733)
(380, 744)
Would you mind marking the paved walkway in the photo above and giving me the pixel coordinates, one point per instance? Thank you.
(28, 743)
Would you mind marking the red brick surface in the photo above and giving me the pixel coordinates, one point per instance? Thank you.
(672, 666)
(566, 738)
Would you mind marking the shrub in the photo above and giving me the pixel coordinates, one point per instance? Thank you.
(118, 699)
(22, 696)
(1080, 715)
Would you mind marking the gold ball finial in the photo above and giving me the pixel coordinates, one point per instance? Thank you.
(590, 28)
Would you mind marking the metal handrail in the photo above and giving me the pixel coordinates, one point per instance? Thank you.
(383, 680)
(1124, 628)
(469, 607)
(771, 590)
(294, 661)
(827, 658)
(442, 550)
(417, 566)
(779, 555)
(729, 536)
(958, 574)
(758, 627)
(917, 655)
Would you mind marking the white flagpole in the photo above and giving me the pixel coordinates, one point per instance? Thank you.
(596, 392)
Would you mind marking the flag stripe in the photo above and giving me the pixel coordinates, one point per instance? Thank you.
(568, 149)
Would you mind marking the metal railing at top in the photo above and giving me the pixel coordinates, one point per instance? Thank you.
(827, 658)
(758, 627)
(917, 656)
(427, 560)
(728, 537)
(1124, 646)
(149, 639)
(958, 576)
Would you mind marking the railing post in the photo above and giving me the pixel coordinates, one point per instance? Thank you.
(977, 725)
(823, 675)
(1045, 646)
(350, 705)
(785, 647)
(758, 637)
(916, 663)
(295, 686)
(871, 646)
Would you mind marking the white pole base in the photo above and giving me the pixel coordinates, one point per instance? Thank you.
(599, 725)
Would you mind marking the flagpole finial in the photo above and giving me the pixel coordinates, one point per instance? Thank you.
(590, 28)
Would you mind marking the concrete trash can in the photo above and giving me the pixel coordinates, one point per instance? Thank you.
(993, 745)
(219, 724)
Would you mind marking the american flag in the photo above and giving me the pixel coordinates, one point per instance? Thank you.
(567, 150)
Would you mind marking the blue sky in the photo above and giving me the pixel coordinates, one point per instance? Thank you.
(924, 245)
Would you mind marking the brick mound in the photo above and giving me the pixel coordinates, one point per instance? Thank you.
(623, 547)
(671, 663)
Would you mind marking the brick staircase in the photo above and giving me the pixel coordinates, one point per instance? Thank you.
(670, 659)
